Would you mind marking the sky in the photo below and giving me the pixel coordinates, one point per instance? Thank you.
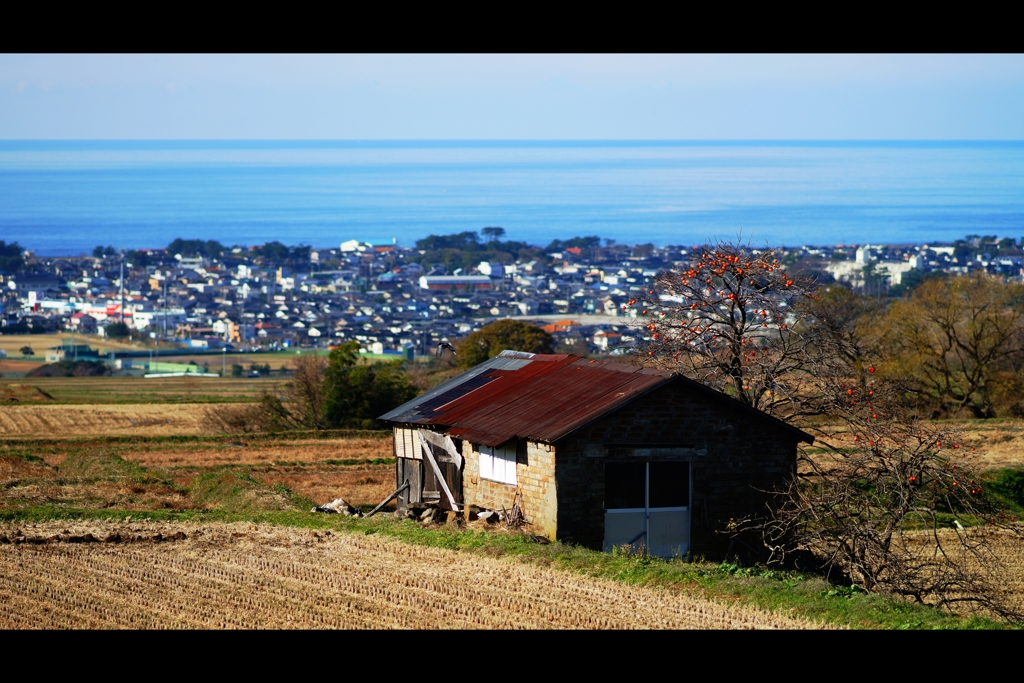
(512, 97)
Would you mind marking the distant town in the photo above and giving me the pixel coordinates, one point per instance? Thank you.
(401, 302)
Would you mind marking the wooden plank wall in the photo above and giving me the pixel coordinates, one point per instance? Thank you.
(409, 470)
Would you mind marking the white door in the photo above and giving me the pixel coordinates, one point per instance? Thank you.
(647, 505)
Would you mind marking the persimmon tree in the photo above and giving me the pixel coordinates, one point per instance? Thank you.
(730, 318)
(888, 501)
(884, 499)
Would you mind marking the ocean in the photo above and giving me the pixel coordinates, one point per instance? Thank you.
(67, 197)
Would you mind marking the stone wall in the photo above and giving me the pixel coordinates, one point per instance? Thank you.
(535, 473)
(735, 458)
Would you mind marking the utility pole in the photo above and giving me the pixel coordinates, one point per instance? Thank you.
(165, 307)
(122, 287)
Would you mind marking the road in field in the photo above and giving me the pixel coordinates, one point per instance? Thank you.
(249, 576)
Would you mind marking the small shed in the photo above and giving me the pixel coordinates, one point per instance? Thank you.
(600, 453)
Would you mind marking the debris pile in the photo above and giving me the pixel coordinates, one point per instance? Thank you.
(426, 513)
(339, 506)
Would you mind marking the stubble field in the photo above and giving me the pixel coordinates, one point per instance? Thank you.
(252, 576)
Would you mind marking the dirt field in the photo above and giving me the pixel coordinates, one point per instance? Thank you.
(247, 576)
(320, 470)
(18, 366)
(104, 474)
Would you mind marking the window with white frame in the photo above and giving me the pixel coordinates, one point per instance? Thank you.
(499, 464)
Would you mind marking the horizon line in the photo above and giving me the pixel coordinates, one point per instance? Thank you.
(532, 140)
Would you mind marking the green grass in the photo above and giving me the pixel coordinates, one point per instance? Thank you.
(237, 491)
(1005, 488)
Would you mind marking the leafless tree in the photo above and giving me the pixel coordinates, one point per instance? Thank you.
(888, 501)
(305, 394)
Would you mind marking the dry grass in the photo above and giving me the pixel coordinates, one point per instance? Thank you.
(91, 481)
(12, 343)
(308, 451)
(249, 576)
(1005, 565)
(998, 444)
(49, 421)
(307, 467)
(358, 485)
(23, 393)
(82, 473)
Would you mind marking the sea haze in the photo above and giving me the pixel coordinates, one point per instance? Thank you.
(67, 197)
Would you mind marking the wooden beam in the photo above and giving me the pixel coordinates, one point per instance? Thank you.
(453, 451)
(444, 442)
(437, 470)
(387, 500)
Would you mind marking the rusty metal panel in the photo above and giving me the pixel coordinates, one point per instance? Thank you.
(545, 400)
(420, 408)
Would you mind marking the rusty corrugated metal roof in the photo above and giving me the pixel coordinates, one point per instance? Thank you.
(422, 407)
(544, 400)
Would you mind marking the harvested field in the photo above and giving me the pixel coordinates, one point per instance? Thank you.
(12, 343)
(1006, 567)
(258, 452)
(131, 389)
(117, 575)
(50, 420)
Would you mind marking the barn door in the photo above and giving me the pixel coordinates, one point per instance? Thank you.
(647, 504)
(451, 473)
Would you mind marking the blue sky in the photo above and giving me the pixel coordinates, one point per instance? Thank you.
(510, 97)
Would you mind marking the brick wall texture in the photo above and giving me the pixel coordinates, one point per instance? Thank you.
(736, 459)
(535, 474)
